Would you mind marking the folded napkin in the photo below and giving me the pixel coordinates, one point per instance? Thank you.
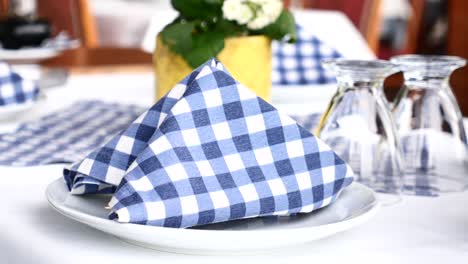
(14, 89)
(300, 62)
(210, 151)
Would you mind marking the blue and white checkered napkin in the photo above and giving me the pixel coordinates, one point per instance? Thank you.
(210, 151)
(14, 89)
(300, 63)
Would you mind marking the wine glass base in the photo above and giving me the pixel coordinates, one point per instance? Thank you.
(432, 184)
(382, 185)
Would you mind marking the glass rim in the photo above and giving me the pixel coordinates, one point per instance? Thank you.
(360, 66)
(418, 60)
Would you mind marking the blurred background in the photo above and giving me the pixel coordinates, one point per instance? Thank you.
(122, 32)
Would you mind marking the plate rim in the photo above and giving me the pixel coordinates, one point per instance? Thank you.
(29, 55)
(353, 221)
(37, 51)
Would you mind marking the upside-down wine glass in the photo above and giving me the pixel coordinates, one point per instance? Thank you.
(359, 126)
(430, 125)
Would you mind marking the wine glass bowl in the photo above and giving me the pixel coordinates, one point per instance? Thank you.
(358, 124)
(430, 125)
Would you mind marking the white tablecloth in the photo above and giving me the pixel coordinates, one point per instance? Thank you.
(416, 230)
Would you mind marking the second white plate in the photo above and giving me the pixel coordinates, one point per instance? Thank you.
(28, 55)
(356, 205)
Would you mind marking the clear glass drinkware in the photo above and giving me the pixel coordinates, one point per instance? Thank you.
(359, 126)
(430, 125)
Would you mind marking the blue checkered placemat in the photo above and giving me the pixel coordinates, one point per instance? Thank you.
(67, 135)
(14, 89)
(300, 63)
(210, 151)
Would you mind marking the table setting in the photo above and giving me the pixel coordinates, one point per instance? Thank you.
(27, 39)
(251, 138)
(49, 48)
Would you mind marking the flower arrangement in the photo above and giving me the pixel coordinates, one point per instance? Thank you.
(200, 30)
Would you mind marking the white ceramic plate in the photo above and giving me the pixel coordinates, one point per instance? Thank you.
(28, 55)
(356, 205)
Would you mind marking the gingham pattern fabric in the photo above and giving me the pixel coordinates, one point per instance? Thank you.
(51, 140)
(300, 63)
(14, 89)
(414, 147)
(67, 135)
(257, 223)
(211, 151)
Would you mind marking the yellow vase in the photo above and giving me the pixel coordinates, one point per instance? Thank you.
(248, 59)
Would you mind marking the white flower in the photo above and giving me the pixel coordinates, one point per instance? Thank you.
(237, 10)
(260, 21)
(245, 15)
(232, 9)
(272, 9)
(255, 13)
(259, 2)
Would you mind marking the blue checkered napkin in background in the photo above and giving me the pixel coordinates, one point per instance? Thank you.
(300, 63)
(67, 135)
(14, 89)
(211, 151)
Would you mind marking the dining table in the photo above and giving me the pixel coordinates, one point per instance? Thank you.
(416, 229)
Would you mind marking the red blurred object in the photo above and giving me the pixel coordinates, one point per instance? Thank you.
(458, 45)
(71, 16)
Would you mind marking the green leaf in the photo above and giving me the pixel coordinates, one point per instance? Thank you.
(198, 9)
(205, 46)
(195, 47)
(178, 36)
(200, 30)
(229, 28)
(283, 28)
